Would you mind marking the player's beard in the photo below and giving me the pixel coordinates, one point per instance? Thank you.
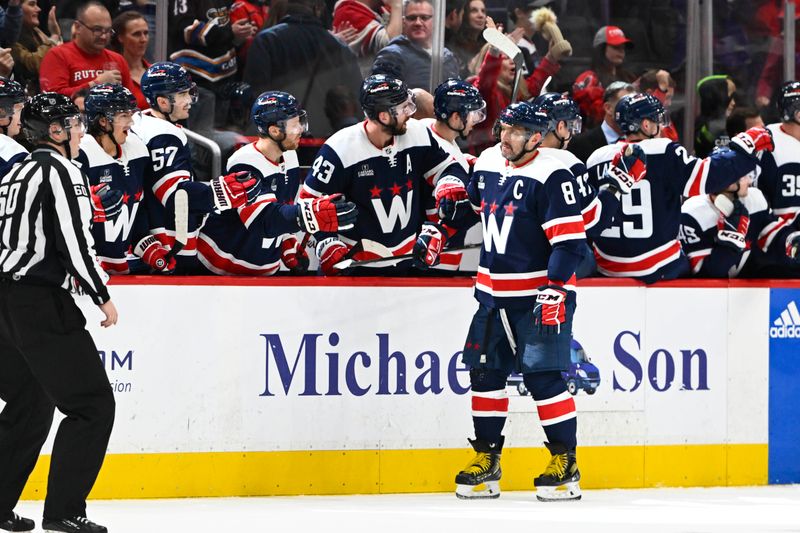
(394, 128)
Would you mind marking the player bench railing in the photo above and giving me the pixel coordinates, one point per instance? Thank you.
(211, 146)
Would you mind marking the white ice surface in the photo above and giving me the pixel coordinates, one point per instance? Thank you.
(740, 509)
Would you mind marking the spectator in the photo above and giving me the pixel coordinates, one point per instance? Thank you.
(68, 11)
(454, 15)
(131, 38)
(84, 61)
(408, 57)
(742, 119)
(608, 55)
(10, 24)
(660, 84)
(468, 40)
(772, 72)
(716, 104)
(254, 11)
(608, 132)
(376, 22)
(543, 20)
(299, 56)
(33, 44)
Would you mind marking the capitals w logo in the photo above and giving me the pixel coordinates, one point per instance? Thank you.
(119, 229)
(399, 211)
(495, 235)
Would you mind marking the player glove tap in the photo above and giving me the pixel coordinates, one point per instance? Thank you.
(431, 240)
(106, 203)
(627, 168)
(154, 255)
(234, 190)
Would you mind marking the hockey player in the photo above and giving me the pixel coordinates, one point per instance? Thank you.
(112, 156)
(386, 165)
(170, 91)
(643, 241)
(721, 233)
(533, 237)
(12, 97)
(256, 238)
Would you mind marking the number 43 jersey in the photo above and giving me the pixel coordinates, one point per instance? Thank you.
(533, 229)
(643, 239)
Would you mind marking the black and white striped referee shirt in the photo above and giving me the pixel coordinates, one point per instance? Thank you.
(45, 213)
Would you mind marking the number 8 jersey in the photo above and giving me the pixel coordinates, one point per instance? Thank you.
(642, 242)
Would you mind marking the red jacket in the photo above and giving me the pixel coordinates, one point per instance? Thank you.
(67, 69)
(257, 15)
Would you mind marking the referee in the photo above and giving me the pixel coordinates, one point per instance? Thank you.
(47, 358)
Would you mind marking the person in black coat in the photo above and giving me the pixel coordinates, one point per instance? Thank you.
(608, 132)
(299, 56)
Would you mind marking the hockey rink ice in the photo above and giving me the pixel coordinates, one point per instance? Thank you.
(694, 510)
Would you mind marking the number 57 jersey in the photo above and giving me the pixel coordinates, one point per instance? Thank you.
(642, 242)
(532, 227)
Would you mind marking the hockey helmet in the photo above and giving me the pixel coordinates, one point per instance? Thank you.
(383, 93)
(635, 107)
(275, 108)
(525, 115)
(559, 108)
(166, 79)
(789, 100)
(107, 99)
(45, 109)
(458, 96)
(11, 94)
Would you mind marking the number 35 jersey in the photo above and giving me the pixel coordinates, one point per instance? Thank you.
(643, 239)
(780, 174)
(533, 229)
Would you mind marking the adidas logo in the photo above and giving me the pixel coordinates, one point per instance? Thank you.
(786, 326)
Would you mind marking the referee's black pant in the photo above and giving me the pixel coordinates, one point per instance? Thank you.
(48, 360)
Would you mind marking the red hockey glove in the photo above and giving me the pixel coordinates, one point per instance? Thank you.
(106, 203)
(330, 251)
(154, 255)
(752, 141)
(733, 222)
(431, 240)
(294, 255)
(327, 214)
(550, 311)
(234, 190)
(452, 201)
(627, 168)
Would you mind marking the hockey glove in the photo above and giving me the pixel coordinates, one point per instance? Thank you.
(294, 255)
(733, 222)
(793, 247)
(154, 255)
(330, 251)
(327, 214)
(550, 310)
(234, 190)
(431, 240)
(106, 203)
(452, 202)
(752, 141)
(627, 168)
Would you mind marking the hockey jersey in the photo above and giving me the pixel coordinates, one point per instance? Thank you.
(125, 173)
(247, 241)
(11, 153)
(642, 242)
(767, 236)
(170, 168)
(533, 229)
(201, 39)
(780, 174)
(390, 186)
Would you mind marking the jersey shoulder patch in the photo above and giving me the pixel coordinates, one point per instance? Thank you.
(148, 127)
(702, 210)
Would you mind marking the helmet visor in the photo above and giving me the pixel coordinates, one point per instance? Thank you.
(74, 121)
(476, 116)
(575, 126)
(511, 132)
(407, 108)
(298, 126)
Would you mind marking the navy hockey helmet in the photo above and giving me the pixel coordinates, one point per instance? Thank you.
(274, 108)
(458, 96)
(789, 100)
(107, 99)
(11, 93)
(560, 108)
(633, 108)
(525, 115)
(166, 79)
(45, 109)
(382, 93)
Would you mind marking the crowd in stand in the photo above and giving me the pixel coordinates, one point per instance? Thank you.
(320, 52)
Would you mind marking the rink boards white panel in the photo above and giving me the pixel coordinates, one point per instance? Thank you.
(231, 369)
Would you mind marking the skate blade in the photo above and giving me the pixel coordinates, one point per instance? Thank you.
(561, 493)
(487, 490)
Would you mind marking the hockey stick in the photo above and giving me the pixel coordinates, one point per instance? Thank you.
(181, 224)
(352, 263)
(495, 38)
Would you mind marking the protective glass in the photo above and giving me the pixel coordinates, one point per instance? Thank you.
(662, 119)
(8, 110)
(74, 122)
(192, 92)
(476, 116)
(297, 127)
(575, 126)
(407, 108)
(511, 133)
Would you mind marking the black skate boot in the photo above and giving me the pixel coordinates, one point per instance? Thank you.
(14, 522)
(559, 481)
(480, 478)
(77, 524)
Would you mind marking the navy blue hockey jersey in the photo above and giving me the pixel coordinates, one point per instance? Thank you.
(779, 179)
(125, 173)
(11, 153)
(247, 241)
(642, 241)
(388, 185)
(533, 229)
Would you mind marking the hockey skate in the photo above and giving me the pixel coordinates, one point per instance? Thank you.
(14, 522)
(559, 481)
(78, 524)
(481, 477)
